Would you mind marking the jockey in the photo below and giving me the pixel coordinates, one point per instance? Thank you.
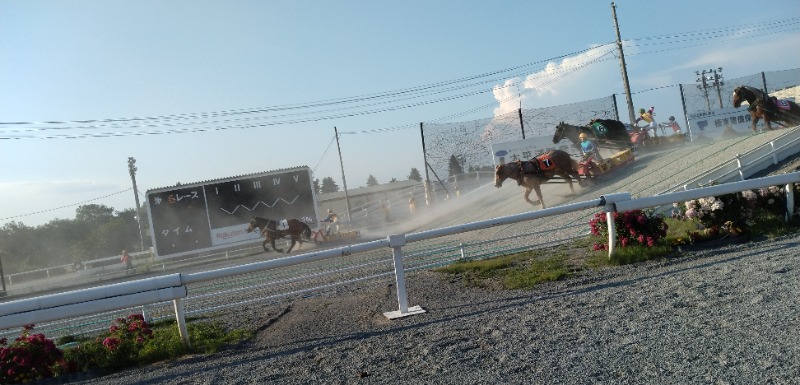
(330, 219)
(587, 147)
(647, 116)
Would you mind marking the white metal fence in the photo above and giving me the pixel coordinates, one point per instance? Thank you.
(174, 287)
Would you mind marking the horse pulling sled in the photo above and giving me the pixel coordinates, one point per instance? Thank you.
(296, 231)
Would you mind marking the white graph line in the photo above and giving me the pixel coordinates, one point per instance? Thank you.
(260, 203)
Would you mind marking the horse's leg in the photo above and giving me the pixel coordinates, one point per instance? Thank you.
(291, 246)
(755, 122)
(528, 193)
(272, 241)
(538, 189)
(264, 244)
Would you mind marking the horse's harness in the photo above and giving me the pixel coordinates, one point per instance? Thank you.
(528, 168)
(265, 230)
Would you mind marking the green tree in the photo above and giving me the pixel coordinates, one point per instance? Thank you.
(414, 175)
(328, 185)
(454, 166)
(371, 181)
(317, 187)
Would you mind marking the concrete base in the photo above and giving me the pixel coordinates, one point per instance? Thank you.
(397, 314)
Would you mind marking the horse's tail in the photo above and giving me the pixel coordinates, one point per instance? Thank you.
(306, 231)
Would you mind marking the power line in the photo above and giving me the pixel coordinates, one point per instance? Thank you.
(65, 206)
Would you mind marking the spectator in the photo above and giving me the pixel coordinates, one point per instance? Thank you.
(126, 259)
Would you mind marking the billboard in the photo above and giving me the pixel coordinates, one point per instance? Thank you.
(525, 149)
(214, 214)
(715, 124)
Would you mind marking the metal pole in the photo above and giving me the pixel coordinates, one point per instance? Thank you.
(623, 67)
(344, 181)
(428, 200)
(521, 123)
(132, 170)
(685, 113)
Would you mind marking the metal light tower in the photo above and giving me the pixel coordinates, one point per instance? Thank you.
(132, 170)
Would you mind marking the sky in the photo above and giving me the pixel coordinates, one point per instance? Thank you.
(200, 90)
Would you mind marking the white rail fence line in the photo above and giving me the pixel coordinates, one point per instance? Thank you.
(743, 166)
(173, 287)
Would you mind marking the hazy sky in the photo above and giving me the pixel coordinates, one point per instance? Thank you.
(199, 90)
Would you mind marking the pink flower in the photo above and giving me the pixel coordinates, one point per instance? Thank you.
(111, 343)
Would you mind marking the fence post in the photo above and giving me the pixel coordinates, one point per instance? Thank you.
(789, 201)
(772, 152)
(396, 242)
(739, 167)
(180, 317)
(463, 252)
(609, 206)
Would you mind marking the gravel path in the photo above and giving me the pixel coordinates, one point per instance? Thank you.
(726, 315)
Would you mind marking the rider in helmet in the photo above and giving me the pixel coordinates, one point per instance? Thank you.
(588, 150)
(587, 147)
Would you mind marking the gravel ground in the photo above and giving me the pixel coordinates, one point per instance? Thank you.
(724, 315)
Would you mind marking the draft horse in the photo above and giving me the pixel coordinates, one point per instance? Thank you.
(602, 131)
(271, 230)
(763, 106)
(532, 173)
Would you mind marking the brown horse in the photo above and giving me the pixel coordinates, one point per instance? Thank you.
(532, 173)
(763, 106)
(271, 231)
(606, 132)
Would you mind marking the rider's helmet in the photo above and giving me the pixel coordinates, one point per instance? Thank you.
(641, 110)
(671, 118)
(582, 136)
(330, 211)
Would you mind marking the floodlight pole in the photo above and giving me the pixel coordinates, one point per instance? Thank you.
(132, 170)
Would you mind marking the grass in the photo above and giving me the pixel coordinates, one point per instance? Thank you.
(206, 337)
(527, 269)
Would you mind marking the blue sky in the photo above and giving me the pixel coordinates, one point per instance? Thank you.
(268, 81)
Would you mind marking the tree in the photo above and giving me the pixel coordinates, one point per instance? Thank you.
(454, 166)
(414, 175)
(371, 181)
(328, 185)
(317, 187)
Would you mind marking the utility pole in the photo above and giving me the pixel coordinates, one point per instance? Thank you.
(428, 199)
(713, 76)
(623, 67)
(132, 170)
(344, 181)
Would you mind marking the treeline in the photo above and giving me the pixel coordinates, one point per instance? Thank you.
(97, 231)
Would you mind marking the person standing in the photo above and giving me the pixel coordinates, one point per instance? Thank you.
(126, 259)
(676, 129)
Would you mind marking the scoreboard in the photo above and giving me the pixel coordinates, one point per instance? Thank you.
(215, 214)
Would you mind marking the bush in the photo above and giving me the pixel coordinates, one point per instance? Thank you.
(120, 349)
(736, 213)
(30, 357)
(634, 228)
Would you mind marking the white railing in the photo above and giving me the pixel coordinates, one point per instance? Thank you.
(173, 287)
(745, 165)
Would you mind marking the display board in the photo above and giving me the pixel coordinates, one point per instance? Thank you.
(214, 214)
